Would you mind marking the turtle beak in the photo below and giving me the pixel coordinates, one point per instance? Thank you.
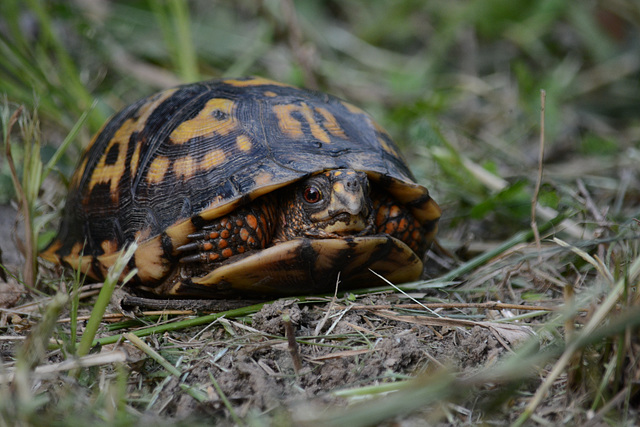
(349, 206)
(348, 196)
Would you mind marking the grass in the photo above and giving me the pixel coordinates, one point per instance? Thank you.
(458, 86)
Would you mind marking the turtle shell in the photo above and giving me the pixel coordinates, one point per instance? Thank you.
(165, 165)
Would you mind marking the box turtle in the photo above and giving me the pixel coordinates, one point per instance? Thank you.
(245, 187)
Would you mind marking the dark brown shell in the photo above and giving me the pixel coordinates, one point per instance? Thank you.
(165, 164)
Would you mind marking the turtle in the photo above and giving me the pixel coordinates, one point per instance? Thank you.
(245, 187)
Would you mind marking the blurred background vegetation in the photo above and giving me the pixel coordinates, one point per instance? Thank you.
(454, 82)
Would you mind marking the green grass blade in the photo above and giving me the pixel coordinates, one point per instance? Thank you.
(153, 354)
(175, 326)
(65, 143)
(186, 57)
(103, 300)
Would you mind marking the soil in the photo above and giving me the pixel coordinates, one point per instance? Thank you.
(256, 373)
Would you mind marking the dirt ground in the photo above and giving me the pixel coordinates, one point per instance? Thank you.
(255, 371)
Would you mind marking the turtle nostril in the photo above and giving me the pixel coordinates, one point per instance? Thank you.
(351, 184)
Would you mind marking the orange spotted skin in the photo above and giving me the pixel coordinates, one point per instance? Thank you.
(393, 219)
(194, 174)
(246, 229)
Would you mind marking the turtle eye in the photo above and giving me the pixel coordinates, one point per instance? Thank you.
(312, 194)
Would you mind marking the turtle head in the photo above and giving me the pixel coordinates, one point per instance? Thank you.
(331, 204)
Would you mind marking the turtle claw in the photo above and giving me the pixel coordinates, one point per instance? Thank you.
(194, 246)
(204, 251)
(199, 235)
(194, 259)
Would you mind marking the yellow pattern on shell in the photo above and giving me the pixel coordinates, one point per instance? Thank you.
(135, 158)
(142, 235)
(263, 178)
(157, 169)
(205, 124)
(109, 246)
(244, 143)
(83, 264)
(292, 127)
(110, 174)
(150, 260)
(143, 117)
(184, 167)
(255, 81)
(386, 147)
(330, 123)
(76, 250)
(352, 108)
(212, 159)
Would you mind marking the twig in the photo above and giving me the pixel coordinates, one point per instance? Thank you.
(341, 354)
(293, 344)
(116, 356)
(598, 216)
(451, 322)
(115, 317)
(482, 305)
(327, 313)
(534, 200)
(197, 305)
(591, 206)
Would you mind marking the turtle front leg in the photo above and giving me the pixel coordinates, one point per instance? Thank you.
(397, 221)
(247, 228)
